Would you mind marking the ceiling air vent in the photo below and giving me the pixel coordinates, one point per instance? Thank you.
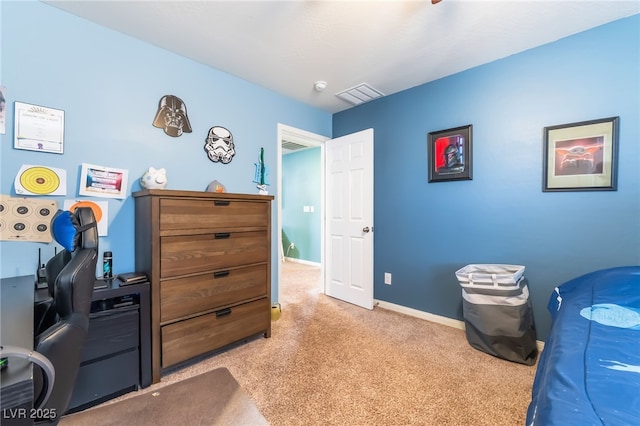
(359, 94)
(288, 147)
(293, 146)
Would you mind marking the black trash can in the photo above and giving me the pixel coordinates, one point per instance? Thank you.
(497, 311)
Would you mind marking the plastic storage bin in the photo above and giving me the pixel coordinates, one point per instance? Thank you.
(497, 311)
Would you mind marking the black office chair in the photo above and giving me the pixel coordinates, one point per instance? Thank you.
(61, 330)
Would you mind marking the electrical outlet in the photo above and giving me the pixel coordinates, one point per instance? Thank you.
(387, 278)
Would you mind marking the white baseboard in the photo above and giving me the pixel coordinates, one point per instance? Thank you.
(304, 262)
(439, 319)
(450, 322)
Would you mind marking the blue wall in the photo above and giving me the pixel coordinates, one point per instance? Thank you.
(301, 186)
(109, 86)
(425, 232)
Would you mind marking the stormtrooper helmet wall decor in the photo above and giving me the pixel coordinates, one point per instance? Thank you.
(219, 145)
(172, 116)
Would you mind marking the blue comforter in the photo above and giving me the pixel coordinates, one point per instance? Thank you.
(589, 371)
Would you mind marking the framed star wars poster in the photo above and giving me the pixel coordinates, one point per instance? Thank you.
(581, 156)
(449, 154)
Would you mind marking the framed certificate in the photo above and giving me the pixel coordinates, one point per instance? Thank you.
(38, 128)
(101, 181)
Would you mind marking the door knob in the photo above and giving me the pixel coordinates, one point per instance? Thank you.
(365, 229)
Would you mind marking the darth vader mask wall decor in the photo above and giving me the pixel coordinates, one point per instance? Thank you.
(219, 145)
(172, 116)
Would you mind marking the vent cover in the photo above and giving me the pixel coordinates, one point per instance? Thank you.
(293, 146)
(359, 94)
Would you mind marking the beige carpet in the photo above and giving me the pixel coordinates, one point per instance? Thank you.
(211, 398)
(331, 363)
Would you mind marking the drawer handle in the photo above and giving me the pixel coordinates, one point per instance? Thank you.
(220, 274)
(223, 312)
(222, 235)
(221, 202)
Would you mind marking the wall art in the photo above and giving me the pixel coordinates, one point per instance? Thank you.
(26, 219)
(581, 156)
(219, 145)
(38, 128)
(172, 116)
(40, 180)
(100, 181)
(450, 154)
(3, 109)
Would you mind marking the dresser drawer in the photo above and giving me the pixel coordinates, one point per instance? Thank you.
(196, 336)
(178, 214)
(187, 254)
(187, 296)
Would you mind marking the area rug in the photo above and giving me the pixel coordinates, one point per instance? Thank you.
(211, 398)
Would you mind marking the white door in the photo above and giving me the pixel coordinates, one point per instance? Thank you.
(349, 218)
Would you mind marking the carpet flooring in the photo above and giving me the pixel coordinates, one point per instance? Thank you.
(331, 363)
(211, 398)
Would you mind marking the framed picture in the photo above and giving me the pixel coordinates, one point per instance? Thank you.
(449, 154)
(101, 181)
(38, 128)
(581, 156)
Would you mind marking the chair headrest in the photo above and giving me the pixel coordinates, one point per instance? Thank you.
(75, 229)
(88, 228)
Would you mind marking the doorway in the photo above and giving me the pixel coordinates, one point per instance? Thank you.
(346, 240)
(291, 139)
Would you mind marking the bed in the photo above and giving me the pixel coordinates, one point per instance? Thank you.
(589, 371)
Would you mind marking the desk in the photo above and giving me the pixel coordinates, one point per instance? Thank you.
(16, 329)
(114, 289)
(17, 298)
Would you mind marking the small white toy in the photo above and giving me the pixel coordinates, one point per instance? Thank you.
(154, 179)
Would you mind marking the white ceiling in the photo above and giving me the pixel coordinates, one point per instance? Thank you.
(392, 45)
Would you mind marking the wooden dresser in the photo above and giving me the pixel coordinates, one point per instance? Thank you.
(208, 258)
